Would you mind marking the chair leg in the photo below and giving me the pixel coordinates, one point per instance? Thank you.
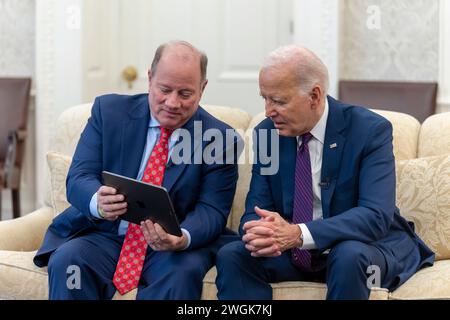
(16, 203)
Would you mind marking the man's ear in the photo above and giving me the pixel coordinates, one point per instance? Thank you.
(316, 96)
(149, 78)
(205, 82)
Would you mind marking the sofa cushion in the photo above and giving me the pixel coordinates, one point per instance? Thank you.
(289, 290)
(405, 132)
(20, 278)
(236, 118)
(434, 138)
(428, 283)
(423, 196)
(58, 164)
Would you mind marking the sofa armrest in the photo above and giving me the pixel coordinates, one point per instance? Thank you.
(25, 233)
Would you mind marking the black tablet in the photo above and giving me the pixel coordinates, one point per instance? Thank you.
(145, 201)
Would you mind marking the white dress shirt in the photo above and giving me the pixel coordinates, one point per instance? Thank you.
(315, 152)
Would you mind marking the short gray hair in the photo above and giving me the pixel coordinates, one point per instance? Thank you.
(310, 70)
(159, 52)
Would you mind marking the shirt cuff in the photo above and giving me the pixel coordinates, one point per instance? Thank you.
(93, 207)
(308, 241)
(188, 236)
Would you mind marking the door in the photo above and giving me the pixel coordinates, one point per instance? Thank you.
(235, 34)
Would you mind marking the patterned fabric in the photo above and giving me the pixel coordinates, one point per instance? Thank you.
(434, 138)
(423, 196)
(303, 198)
(58, 165)
(288, 290)
(132, 256)
(428, 283)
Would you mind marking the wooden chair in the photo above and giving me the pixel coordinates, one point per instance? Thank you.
(14, 101)
(415, 98)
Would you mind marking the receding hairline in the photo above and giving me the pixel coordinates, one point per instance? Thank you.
(171, 45)
(309, 68)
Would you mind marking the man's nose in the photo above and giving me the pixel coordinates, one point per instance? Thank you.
(270, 111)
(173, 101)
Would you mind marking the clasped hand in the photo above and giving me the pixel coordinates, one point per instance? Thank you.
(271, 235)
(111, 205)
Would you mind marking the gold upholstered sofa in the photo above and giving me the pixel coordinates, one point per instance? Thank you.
(423, 194)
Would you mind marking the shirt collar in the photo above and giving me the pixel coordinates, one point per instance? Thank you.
(318, 131)
(154, 124)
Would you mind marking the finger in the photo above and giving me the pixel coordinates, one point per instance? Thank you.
(162, 234)
(114, 207)
(257, 223)
(263, 213)
(151, 230)
(261, 231)
(115, 214)
(113, 198)
(145, 232)
(262, 243)
(105, 190)
(249, 236)
(250, 248)
(269, 219)
(269, 251)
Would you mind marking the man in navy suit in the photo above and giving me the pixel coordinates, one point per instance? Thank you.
(337, 168)
(119, 137)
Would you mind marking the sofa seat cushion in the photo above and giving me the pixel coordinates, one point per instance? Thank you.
(289, 290)
(429, 283)
(20, 278)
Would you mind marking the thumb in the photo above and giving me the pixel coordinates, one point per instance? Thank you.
(263, 213)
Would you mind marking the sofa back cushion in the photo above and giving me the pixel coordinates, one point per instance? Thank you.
(58, 165)
(405, 133)
(434, 138)
(423, 196)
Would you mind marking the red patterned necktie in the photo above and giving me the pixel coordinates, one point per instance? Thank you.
(132, 256)
(303, 199)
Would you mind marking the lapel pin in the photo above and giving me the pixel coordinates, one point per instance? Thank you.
(333, 145)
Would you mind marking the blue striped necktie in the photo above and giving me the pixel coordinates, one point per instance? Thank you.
(303, 199)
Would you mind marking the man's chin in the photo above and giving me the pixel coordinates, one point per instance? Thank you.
(170, 122)
(285, 132)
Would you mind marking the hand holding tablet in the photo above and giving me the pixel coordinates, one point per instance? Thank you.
(145, 201)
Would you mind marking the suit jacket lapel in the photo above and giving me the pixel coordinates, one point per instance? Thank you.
(332, 153)
(134, 138)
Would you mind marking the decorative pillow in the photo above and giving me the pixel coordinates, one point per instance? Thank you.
(423, 196)
(58, 164)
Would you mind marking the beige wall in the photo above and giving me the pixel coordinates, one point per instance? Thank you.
(17, 37)
(404, 48)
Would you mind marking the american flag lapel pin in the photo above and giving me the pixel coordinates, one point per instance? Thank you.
(333, 145)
